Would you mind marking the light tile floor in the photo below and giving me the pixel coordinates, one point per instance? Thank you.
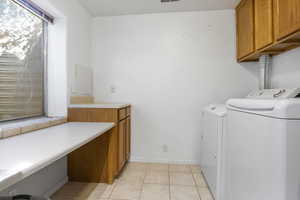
(143, 181)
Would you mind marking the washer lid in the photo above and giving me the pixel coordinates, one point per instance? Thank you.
(285, 108)
(216, 109)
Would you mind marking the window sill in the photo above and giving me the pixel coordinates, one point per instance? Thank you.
(18, 127)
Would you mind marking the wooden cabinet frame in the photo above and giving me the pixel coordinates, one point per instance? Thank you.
(245, 28)
(281, 41)
(113, 147)
(264, 23)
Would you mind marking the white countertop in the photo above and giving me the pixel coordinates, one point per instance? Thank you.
(100, 105)
(24, 155)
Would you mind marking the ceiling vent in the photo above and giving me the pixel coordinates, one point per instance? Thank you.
(168, 1)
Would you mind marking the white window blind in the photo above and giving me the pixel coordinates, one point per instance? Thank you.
(22, 62)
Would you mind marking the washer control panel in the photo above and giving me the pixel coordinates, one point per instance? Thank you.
(274, 94)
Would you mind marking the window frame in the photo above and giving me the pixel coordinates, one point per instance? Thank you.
(35, 9)
(45, 78)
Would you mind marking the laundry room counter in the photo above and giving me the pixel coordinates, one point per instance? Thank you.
(100, 105)
(26, 154)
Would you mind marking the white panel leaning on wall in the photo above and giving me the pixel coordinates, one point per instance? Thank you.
(83, 81)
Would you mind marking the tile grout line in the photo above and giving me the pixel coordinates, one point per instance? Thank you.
(143, 182)
(149, 169)
(113, 188)
(169, 175)
(196, 185)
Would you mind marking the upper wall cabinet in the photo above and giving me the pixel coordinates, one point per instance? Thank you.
(288, 17)
(245, 28)
(266, 27)
(263, 23)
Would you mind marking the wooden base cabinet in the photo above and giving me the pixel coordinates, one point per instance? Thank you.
(128, 139)
(113, 147)
(122, 139)
(90, 163)
(124, 142)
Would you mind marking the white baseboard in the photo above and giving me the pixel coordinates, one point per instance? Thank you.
(54, 189)
(144, 160)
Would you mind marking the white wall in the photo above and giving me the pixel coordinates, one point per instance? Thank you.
(78, 35)
(77, 23)
(286, 70)
(169, 66)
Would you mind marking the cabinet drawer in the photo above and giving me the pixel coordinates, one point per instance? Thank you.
(122, 114)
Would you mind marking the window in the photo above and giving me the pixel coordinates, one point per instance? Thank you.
(22, 60)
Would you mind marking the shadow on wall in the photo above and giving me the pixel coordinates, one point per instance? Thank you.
(286, 69)
(252, 67)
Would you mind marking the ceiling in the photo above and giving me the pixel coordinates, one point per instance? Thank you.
(124, 7)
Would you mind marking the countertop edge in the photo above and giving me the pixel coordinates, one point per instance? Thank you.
(40, 165)
(31, 170)
(117, 106)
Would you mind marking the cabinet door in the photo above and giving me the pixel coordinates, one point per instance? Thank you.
(121, 140)
(113, 151)
(89, 162)
(263, 23)
(245, 28)
(128, 138)
(287, 17)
